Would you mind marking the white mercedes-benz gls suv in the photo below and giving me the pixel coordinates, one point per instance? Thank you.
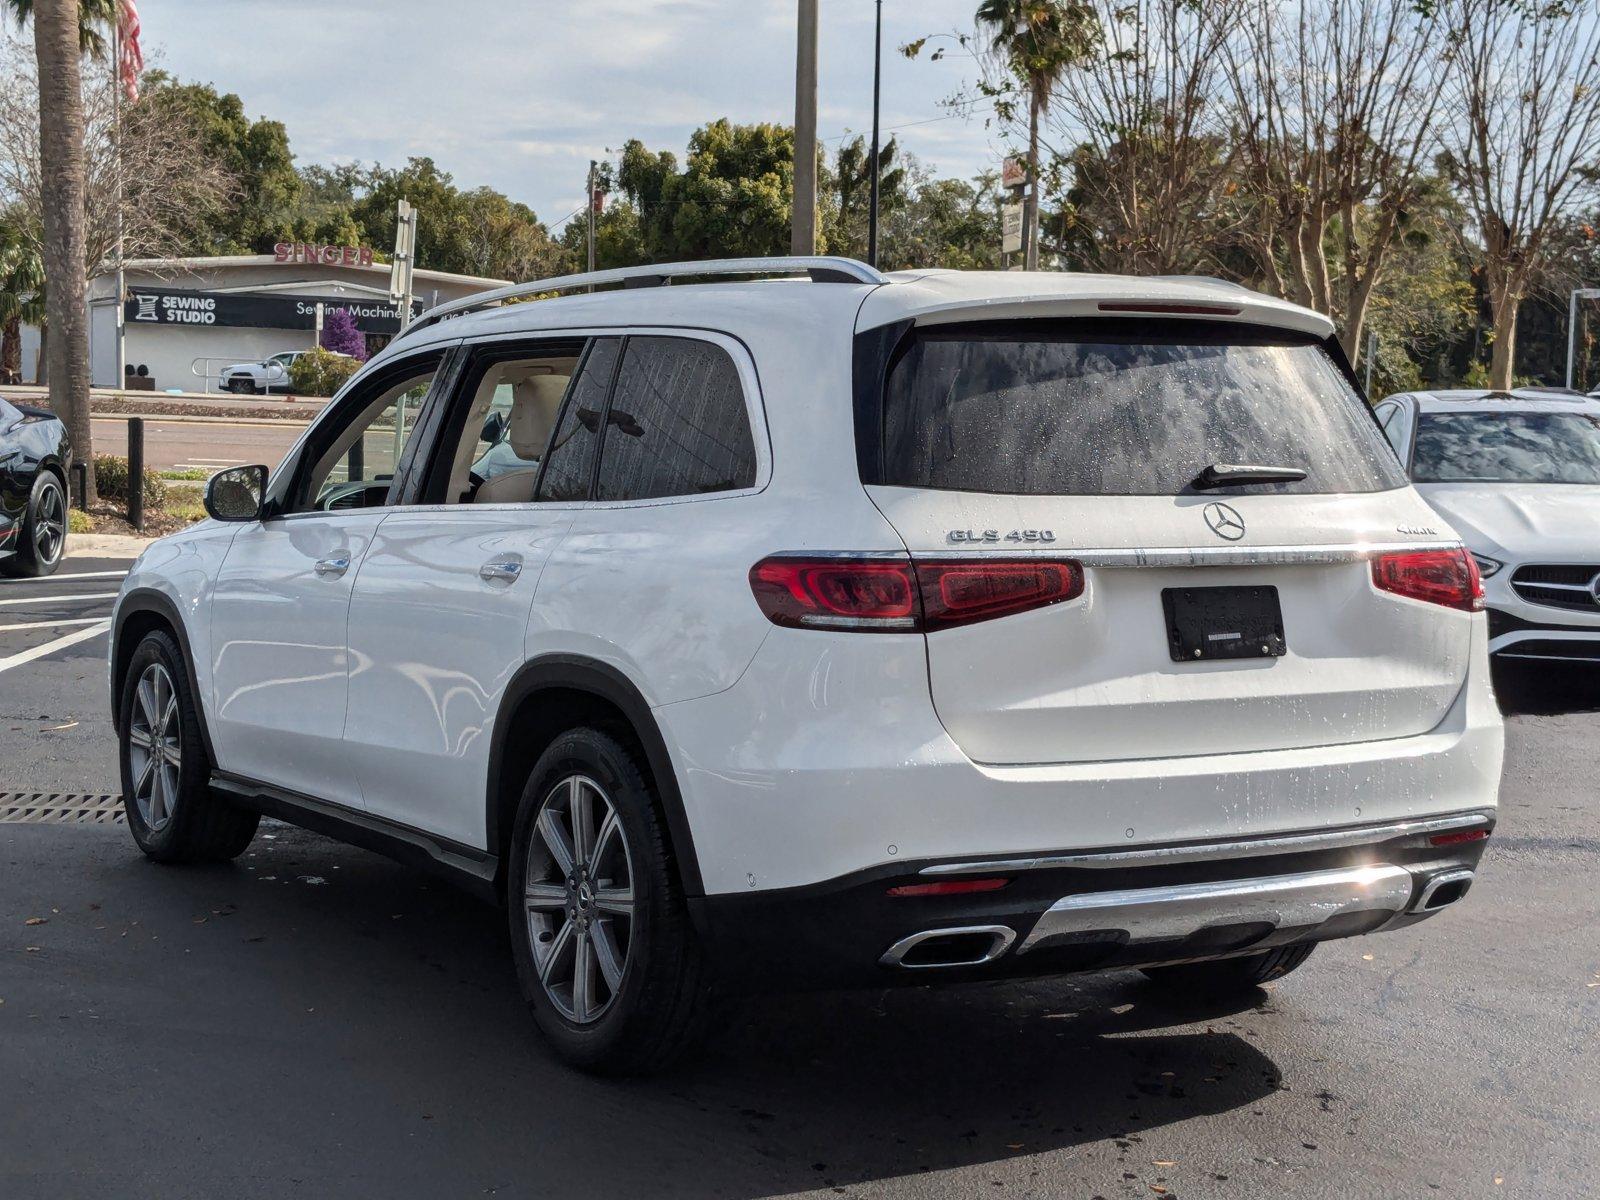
(1517, 474)
(837, 629)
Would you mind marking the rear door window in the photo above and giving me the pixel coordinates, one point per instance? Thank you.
(677, 425)
(569, 463)
(1119, 408)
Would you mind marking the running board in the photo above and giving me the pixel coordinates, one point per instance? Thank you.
(474, 870)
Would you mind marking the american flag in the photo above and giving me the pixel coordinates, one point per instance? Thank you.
(132, 60)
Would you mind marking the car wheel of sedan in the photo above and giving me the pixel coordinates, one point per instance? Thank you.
(166, 773)
(604, 950)
(43, 538)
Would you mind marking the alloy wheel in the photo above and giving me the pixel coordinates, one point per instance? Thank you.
(579, 898)
(155, 747)
(49, 525)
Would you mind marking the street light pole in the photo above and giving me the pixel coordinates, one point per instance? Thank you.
(803, 234)
(590, 206)
(877, 88)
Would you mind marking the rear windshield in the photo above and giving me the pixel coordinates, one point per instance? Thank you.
(1123, 412)
(1508, 447)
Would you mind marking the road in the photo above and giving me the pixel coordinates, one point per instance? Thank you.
(316, 1020)
(205, 445)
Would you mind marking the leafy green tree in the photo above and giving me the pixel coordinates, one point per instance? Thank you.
(268, 192)
(846, 213)
(21, 295)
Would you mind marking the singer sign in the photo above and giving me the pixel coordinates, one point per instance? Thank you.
(327, 256)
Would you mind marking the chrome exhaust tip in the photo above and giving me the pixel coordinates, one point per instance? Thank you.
(964, 946)
(1442, 891)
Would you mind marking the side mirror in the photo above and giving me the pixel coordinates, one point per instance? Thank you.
(494, 428)
(236, 494)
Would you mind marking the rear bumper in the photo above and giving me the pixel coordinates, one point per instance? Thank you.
(1088, 911)
(827, 760)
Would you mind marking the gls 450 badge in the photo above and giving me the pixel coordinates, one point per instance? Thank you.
(982, 536)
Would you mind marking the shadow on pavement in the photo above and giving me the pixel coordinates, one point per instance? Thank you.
(317, 1014)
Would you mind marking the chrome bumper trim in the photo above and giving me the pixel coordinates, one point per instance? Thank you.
(1201, 556)
(1154, 856)
(1171, 913)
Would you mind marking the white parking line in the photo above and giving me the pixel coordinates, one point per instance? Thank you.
(60, 643)
(60, 599)
(50, 624)
(61, 578)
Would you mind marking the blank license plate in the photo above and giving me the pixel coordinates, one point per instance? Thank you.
(1223, 622)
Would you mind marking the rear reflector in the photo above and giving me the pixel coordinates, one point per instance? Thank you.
(1456, 838)
(902, 595)
(1447, 577)
(952, 887)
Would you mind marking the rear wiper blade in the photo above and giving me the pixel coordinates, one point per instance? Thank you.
(1219, 475)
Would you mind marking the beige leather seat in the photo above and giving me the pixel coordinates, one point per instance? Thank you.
(535, 403)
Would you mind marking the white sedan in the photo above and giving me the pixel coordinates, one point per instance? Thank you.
(1517, 475)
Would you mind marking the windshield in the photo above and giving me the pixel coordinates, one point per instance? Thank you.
(1508, 447)
(285, 359)
(1123, 409)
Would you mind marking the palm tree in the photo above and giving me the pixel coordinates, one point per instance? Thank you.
(63, 31)
(21, 297)
(1038, 41)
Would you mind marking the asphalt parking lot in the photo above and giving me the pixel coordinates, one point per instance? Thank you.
(317, 1021)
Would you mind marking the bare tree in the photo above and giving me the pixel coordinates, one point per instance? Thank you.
(1147, 117)
(1522, 150)
(170, 185)
(1337, 102)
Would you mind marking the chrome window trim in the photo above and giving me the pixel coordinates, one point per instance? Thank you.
(1151, 856)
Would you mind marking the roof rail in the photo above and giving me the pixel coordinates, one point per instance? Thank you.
(821, 269)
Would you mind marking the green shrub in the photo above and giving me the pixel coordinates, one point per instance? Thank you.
(320, 373)
(111, 481)
(79, 521)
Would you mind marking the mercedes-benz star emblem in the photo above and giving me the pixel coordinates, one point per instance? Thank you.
(1225, 521)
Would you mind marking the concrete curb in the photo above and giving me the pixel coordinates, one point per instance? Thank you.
(105, 545)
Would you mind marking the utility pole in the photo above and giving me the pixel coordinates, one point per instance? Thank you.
(877, 91)
(803, 239)
(592, 166)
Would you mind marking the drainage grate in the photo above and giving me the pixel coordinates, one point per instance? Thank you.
(60, 808)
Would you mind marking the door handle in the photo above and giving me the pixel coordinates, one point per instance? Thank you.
(501, 570)
(332, 568)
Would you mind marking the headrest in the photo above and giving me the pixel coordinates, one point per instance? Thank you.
(535, 402)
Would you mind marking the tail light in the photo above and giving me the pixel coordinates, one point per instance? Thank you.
(901, 595)
(1447, 577)
(1458, 837)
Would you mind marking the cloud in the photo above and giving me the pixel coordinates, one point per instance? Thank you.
(520, 94)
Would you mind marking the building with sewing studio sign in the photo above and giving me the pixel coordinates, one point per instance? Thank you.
(185, 319)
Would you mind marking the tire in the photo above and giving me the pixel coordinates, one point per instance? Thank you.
(1226, 977)
(166, 773)
(644, 999)
(42, 541)
(240, 385)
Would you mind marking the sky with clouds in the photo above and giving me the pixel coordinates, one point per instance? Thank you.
(520, 94)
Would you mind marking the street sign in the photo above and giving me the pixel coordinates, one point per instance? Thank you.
(1010, 228)
(405, 251)
(1011, 174)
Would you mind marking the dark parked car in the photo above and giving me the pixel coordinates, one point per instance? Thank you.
(35, 457)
